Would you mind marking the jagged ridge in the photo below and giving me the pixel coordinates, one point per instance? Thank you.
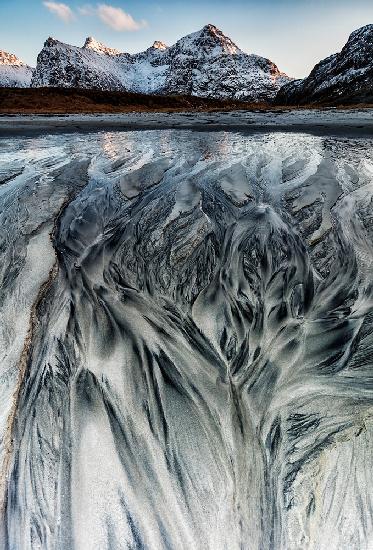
(205, 63)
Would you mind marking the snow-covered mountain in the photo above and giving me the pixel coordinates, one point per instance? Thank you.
(345, 77)
(13, 72)
(205, 63)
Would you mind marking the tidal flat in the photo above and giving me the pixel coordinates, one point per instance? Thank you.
(186, 338)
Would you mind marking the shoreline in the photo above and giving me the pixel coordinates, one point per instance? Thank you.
(353, 123)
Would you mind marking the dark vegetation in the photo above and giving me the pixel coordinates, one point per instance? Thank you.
(67, 100)
(77, 100)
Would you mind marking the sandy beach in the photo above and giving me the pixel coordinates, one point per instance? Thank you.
(338, 122)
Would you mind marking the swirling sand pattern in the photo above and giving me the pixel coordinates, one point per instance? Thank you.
(187, 334)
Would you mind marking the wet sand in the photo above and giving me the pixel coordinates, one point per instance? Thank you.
(186, 341)
(349, 123)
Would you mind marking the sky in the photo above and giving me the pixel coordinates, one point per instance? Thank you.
(294, 34)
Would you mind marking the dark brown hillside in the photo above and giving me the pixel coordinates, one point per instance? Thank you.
(67, 100)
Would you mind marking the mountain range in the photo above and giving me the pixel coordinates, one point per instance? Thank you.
(205, 64)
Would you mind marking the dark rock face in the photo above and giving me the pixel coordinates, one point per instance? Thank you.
(205, 63)
(343, 78)
(60, 65)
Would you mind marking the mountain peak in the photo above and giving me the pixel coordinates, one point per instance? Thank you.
(212, 40)
(98, 47)
(211, 28)
(158, 45)
(13, 71)
(50, 41)
(10, 59)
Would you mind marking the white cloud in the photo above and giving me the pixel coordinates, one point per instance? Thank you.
(118, 19)
(62, 11)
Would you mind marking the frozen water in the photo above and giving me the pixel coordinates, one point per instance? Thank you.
(186, 341)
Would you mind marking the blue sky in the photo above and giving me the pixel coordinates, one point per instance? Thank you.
(295, 34)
